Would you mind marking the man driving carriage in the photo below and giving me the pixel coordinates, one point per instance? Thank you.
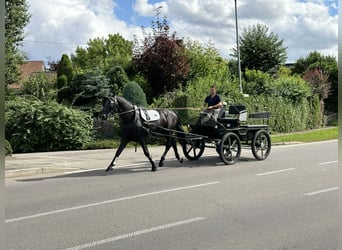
(212, 103)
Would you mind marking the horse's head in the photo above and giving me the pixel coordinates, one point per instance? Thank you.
(110, 105)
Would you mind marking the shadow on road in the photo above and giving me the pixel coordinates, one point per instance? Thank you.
(204, 162)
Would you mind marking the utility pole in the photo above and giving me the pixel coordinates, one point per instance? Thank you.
(238, 47)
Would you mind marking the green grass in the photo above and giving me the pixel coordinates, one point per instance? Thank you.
(307, 136)
(103, 144)
(324, 134)
(113, 143)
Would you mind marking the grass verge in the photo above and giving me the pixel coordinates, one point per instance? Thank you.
(324, 134)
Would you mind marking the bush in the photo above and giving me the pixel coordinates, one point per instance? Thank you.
(256, 81)
(117, 79)
(286, 116)
(63, 91)
(175, 99)
(8, 148)
(106, 129)
(295, 89)
(39, 85)
(103, 144)
(134, 93)
(33, 125)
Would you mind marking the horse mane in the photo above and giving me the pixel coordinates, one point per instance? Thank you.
(125, 102)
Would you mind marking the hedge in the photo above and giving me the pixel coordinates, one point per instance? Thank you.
(33, 125)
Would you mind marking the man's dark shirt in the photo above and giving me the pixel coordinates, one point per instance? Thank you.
(212, 101)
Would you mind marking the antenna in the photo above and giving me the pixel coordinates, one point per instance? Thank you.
(157, 10)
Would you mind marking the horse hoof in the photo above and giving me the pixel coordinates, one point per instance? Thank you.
(154, 169)
(181, 160)
(161, 163)
(109, 169)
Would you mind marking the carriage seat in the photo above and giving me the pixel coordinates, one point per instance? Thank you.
(234, 115)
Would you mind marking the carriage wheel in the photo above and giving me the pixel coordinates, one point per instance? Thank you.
(261, 145)
(193, 148)
(230, 148)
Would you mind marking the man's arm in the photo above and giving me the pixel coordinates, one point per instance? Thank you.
(216, 106)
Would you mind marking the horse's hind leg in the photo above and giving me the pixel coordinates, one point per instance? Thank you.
(174, 146)
(123, 144)
(147, 154)
(167, 148)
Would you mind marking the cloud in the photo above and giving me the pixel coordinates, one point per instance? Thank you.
(143, 8)
(60, 26)
(304, 26)
(64, 24)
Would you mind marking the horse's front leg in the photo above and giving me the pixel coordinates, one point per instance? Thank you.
(147, 154)
(123, 144)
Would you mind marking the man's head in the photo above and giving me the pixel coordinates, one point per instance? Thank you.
(212, 90)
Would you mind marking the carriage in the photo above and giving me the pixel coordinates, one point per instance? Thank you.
(228, 132)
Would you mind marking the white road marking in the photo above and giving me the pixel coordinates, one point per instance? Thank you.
(109, 201)
(328, 162)
(276, 172)
(321, 191)
(82, 171)
(134, 234)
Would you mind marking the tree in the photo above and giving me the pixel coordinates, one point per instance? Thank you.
(65, 68)
(320, 85)
(161, 59)
(328, 66)
(205, 60)
(16, 18)
(63, 90)
(261, 50)
(207, 67)
(65, 75)
(117, 79)
(88, 88)
(103, 54)
(38, 85)
(134, 93)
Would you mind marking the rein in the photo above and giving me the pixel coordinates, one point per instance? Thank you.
(126, 112)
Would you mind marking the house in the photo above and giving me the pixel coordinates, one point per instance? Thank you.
(28, 69)
(31, 67)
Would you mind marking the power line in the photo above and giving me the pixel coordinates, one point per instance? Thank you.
(47, 42)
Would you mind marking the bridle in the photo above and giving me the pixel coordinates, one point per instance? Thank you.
(114, 107)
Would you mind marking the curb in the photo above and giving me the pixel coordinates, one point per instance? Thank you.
(35, 171)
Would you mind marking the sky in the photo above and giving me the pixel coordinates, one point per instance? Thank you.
(58, 26)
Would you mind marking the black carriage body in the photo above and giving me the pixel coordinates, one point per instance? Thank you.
(228, 133)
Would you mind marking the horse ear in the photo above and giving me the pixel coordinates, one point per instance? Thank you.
(112, 94)
(104, 100)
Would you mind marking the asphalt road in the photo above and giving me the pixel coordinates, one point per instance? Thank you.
(288, 201)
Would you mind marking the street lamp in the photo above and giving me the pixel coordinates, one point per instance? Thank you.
(238, 47)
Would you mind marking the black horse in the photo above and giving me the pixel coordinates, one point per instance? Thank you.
(136, 126)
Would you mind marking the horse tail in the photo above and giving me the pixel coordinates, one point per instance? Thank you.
(180, 131)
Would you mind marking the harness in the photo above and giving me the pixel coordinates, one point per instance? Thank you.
(144, 114)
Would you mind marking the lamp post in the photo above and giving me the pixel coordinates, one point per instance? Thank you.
(238, 47)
